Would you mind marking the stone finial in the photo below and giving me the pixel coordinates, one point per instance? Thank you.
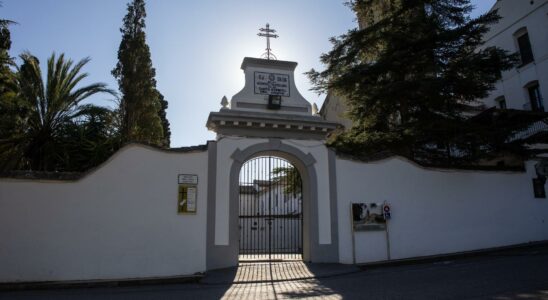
(224, 102)
(315, 110)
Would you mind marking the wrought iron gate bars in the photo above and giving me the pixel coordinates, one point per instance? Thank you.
(270, 210)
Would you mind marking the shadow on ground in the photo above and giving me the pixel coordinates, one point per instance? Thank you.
(520, 274)
(274, 280)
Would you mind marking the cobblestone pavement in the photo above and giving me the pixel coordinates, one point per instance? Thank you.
(519, 274)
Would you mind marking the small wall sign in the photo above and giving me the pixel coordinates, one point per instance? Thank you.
(271, 84)
(368, 216)
(187, 199)
(187, 179)
(386, 210)
(188, 193)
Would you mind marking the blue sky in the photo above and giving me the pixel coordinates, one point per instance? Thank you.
(197, 46)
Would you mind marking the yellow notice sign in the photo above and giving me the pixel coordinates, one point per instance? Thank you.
(187, 199)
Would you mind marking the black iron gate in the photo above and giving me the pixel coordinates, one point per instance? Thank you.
(270, 210)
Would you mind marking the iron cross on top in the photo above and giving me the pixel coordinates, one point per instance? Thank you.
(268, 33)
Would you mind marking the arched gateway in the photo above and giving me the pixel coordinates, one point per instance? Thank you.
(269, 118)
(270, 213)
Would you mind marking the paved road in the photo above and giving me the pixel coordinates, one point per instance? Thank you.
(512, 275)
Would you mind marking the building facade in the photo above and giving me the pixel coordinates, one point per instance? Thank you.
(334, 107)
(523, 30)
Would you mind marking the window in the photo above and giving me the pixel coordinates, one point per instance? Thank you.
(501, 102)
(524, 46)
(535, 98)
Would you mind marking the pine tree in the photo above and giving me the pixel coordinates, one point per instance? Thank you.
(413, 79)
(140, 103)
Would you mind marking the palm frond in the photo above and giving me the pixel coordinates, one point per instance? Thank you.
(50, 113)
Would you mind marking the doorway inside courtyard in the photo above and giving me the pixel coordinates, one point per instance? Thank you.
(270, 218)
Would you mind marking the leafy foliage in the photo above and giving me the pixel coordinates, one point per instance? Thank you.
(91, 139)
(6, 62)
(412, 80)
(291, 177)
(5, 45)
(45, 126)
(142, 106)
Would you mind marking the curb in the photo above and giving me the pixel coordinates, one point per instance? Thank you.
(196, 278)
(496, 251)
(46, 285)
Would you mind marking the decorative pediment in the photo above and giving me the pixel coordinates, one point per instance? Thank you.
(267, 81)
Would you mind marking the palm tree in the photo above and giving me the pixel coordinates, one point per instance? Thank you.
(44, 109)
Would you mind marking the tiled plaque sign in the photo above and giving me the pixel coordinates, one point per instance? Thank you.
(187, 196)
(271, 84)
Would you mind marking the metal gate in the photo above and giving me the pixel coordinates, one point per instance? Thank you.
(270, 210)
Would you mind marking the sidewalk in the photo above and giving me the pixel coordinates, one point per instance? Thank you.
(258, 272)
(515, 274)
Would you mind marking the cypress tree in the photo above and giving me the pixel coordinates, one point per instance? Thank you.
(165, 122)
(413, 79)
(142, 106)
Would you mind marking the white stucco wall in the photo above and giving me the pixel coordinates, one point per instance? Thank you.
(120, 221)
(438, 211)
(225, 147)
(318, 150)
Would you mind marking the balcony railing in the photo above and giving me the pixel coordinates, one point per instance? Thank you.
(535, 128)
